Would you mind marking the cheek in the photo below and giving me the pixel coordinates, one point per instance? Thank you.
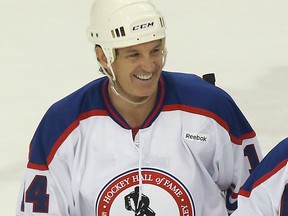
(123, 70)
(122, 74)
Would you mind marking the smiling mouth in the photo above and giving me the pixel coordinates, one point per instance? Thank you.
(144, 76)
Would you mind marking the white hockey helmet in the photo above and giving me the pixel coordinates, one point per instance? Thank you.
(122, 23)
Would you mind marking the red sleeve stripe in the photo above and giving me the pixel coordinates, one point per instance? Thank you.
(62, 138)
(263, 178)
(75, 124)
(37, 166)
(237, 141)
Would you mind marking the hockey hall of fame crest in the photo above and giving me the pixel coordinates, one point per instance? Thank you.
(162, 194)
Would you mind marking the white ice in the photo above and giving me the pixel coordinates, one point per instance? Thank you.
(44, 55)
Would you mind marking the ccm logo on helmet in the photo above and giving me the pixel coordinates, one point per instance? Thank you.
(142, 26)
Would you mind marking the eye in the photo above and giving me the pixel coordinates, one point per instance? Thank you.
(133, 55)
(157, 51)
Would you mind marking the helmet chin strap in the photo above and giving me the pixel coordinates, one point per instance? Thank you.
(114, 87)
(116, 91)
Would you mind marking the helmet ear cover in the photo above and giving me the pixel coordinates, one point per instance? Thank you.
(117, 24)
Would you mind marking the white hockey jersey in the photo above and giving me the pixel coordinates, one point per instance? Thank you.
(266, 191)
(195, 143)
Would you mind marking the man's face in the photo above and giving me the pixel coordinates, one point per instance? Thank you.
(138, 68)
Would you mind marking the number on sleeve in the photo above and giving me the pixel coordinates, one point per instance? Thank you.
(284, 202)
(251, 154)
(37, 194)
(22, 203)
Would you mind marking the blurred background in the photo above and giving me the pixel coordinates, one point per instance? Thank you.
(44, 55)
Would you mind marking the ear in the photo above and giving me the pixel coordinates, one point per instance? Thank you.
(101, 57)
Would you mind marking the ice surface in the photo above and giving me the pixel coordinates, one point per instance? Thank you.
(44, 55)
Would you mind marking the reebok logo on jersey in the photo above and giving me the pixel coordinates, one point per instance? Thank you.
(196, 137)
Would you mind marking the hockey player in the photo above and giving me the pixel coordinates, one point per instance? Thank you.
(265, 192)
(172, 139)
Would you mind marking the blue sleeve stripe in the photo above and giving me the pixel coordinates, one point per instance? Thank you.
(247, 192)
(63, 136)
(272, 163)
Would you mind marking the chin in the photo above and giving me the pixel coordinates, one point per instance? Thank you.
(145, 93)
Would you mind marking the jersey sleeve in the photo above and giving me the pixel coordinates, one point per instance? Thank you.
(245, 158)
(41, 194)
(46, 188)
(237, 153)
(266, 191)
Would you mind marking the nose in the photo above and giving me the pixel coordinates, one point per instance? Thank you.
(148, 63)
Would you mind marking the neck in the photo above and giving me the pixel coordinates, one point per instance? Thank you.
(126, 99)
(136, 112)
